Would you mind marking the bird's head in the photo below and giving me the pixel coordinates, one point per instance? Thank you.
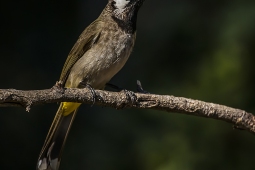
(123, 12)
(125, 9)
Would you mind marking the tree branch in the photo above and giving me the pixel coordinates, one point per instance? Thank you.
(239, 118)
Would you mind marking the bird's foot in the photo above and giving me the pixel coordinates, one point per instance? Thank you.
(84, 85)
(92, 92)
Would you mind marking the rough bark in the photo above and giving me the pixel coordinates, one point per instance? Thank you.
(239, 118)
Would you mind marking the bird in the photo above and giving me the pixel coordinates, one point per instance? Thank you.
(100, 52)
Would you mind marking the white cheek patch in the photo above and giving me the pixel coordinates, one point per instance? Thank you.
(120, 4)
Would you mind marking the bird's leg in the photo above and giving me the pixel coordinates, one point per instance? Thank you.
(83, 85)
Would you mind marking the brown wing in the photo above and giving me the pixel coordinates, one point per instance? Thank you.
(87, 39)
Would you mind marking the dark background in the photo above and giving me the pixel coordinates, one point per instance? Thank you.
(197, 49)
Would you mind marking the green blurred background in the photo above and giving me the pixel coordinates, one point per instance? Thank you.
(197, 49)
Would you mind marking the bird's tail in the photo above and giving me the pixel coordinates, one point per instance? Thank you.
(50, 155)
